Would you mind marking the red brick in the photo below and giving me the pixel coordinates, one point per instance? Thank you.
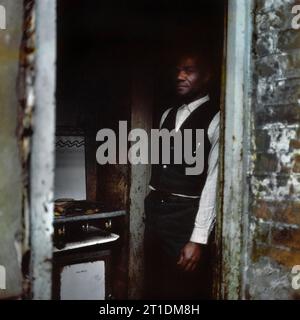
(287, 258)
(287, 212)
(296, 168)
(262, 211)
(295, 144)
(288, 237)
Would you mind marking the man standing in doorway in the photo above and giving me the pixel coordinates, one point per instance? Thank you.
(180, 209)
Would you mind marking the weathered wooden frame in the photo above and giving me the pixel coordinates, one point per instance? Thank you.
(232, 220)
(43, 151)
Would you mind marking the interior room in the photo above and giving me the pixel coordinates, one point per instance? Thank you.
(113, 64)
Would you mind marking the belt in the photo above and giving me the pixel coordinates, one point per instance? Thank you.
(165, 196)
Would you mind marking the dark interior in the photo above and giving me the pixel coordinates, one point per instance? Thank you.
(101, 43)
(103, 48)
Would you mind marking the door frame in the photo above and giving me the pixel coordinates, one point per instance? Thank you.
(43, 151)
(236, 120)
(232, 221)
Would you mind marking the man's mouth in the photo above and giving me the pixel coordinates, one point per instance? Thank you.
(180, 86)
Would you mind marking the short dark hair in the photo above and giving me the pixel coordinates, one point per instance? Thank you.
(201, 54)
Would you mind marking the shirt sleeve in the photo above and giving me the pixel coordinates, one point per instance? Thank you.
(206, 216)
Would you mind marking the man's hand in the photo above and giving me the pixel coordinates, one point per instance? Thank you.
(190, 256)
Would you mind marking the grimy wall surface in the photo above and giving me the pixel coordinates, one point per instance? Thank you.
(10, 168)
(274, 228)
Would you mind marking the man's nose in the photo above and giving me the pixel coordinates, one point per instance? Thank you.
(181, 75)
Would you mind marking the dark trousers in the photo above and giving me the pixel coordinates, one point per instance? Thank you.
(169, 224)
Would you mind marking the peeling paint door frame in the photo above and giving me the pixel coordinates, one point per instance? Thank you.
(236, 136)
(43, 156)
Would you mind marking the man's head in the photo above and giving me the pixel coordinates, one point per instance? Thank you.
(192, 76)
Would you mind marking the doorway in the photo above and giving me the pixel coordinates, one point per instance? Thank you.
(112, 65)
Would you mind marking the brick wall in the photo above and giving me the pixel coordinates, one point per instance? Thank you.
(274, 228)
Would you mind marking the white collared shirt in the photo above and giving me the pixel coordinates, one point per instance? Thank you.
(184, 112)
(206, 215)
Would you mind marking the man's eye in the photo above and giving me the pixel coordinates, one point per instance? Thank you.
(189, 70)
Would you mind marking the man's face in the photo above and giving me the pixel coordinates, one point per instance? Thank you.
(189, 78)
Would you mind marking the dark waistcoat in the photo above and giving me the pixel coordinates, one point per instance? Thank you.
(172, 178)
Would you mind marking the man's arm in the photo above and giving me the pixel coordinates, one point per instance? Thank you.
(206, 215)
(205, 218)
